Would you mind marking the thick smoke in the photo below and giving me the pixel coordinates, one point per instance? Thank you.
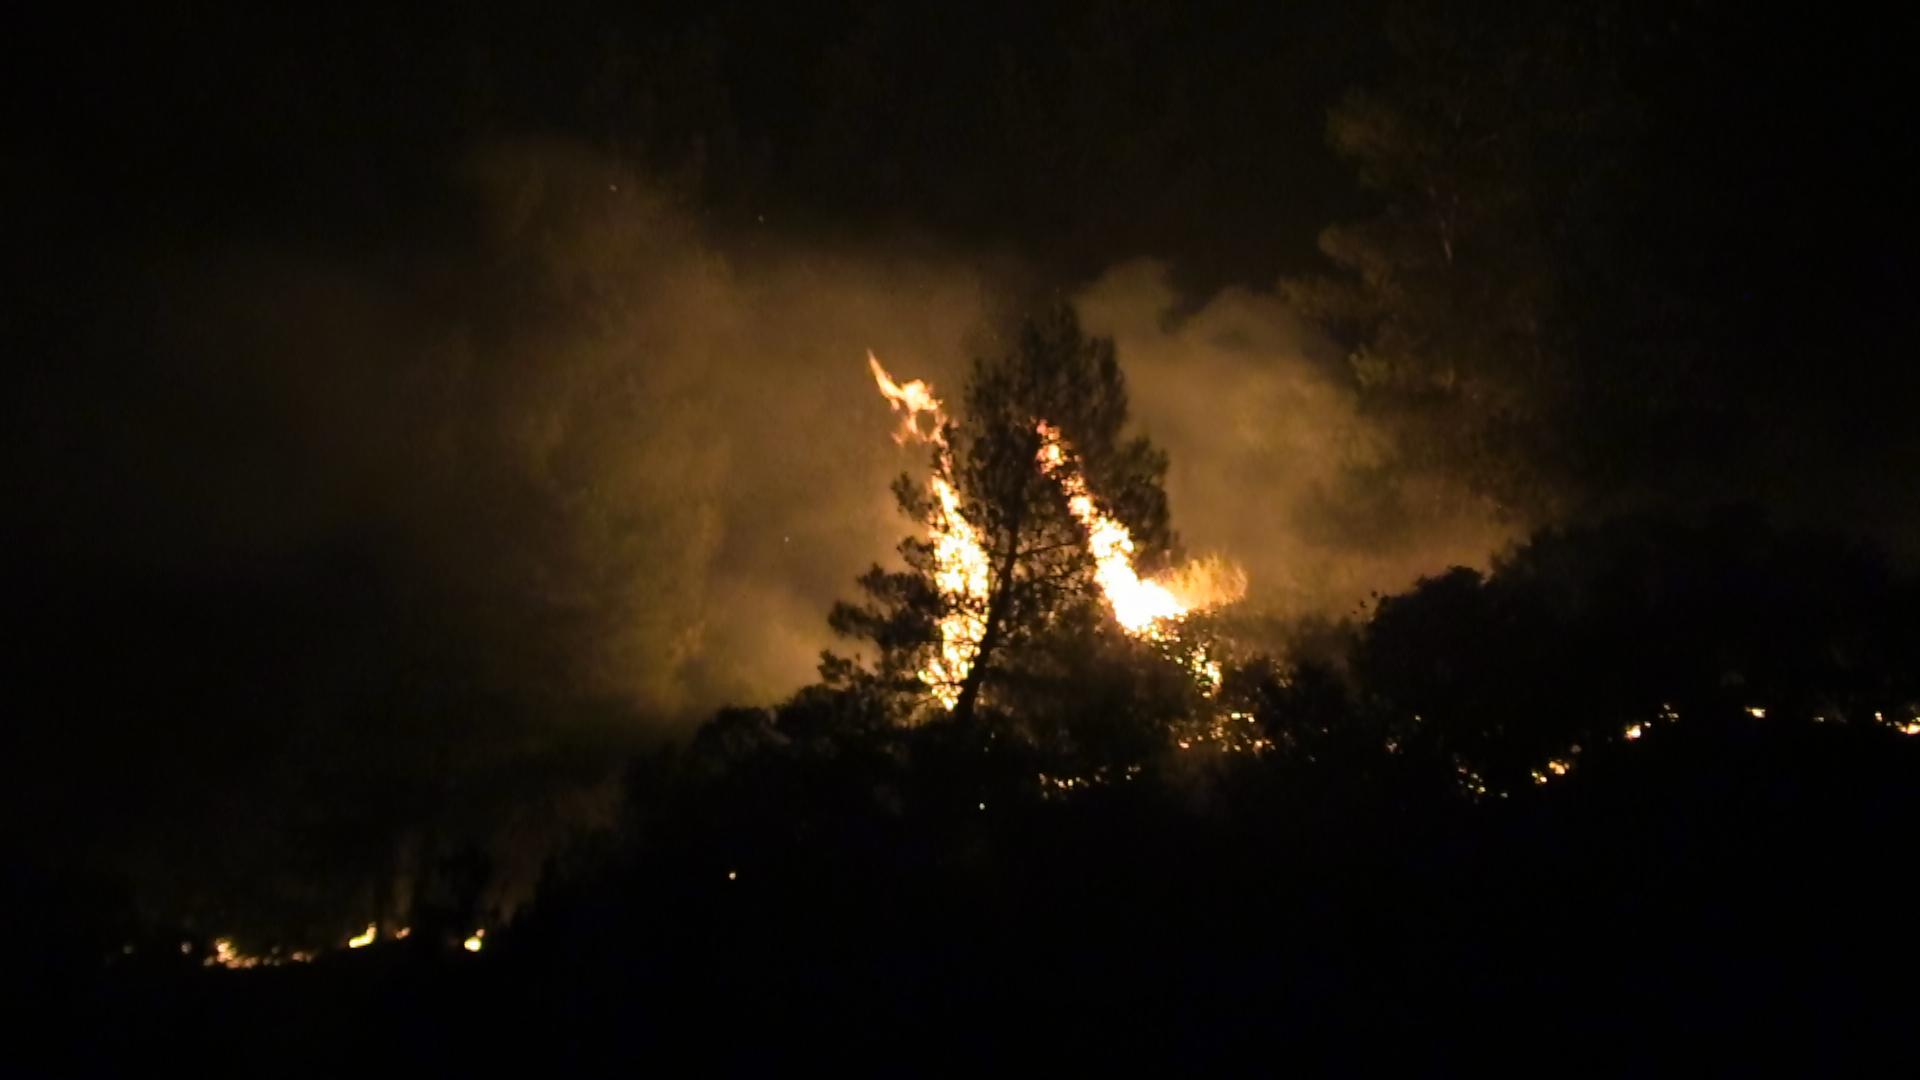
(1274, 463)
(639, 466)
(333, 548)
(396, 543)
(634, 462)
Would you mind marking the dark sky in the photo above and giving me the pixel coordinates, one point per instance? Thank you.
(413, 410)
(1079, 133)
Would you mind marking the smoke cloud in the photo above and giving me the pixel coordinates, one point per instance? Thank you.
(1274, 464)
(582, 448)
(401, 541)
(639, 467)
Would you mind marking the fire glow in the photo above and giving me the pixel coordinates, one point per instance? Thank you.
(1146, 609)
(1142, 608)
(960, 563)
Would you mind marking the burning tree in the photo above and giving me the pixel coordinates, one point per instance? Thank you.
(1043, 571)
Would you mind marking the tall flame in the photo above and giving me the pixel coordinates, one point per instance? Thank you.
(1147, 609)
(1141, 607)
(960, 566)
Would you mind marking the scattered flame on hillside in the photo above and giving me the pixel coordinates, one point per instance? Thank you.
(1637, 731)
(228, 955)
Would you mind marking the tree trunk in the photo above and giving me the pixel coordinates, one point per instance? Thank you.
(990, 638)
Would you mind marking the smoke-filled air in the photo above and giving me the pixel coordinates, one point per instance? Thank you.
(1173, 534)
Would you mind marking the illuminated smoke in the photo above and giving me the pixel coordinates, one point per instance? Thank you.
(1151, 610)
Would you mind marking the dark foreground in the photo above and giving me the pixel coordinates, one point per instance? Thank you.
(1722, 894)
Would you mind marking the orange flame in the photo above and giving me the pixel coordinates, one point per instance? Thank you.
(1142, 607)
(959, 561)
(1148, 609)
(914, 398)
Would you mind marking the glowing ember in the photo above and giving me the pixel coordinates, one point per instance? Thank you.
(960, 563)
(475, 941)
(1059, 787)
(364, 938)
(1634, 731)
(1556, 768)
(1475, 785)
(228, 955)
(1756, 712)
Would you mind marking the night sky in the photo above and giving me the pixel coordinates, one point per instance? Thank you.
(414, 417)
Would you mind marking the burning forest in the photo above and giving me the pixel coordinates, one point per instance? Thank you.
(1150, 610)
(1364, 531)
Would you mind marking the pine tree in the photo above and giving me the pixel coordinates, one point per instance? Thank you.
(1044, 618)
(1495, 153)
